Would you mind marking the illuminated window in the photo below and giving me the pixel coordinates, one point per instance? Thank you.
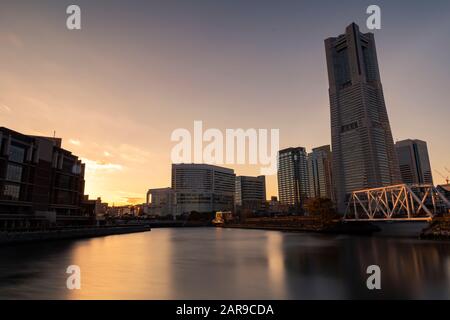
(11, 192)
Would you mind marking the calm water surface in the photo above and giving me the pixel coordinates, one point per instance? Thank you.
(209, 263)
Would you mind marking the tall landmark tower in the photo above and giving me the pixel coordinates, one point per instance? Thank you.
(363, 149)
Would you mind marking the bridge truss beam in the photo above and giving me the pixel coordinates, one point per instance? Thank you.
(416, 202)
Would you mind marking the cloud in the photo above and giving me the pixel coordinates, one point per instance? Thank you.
(5, 108)
(133, 200)
(39, 104)
(92, 166)
(75, 142)
(134, 154)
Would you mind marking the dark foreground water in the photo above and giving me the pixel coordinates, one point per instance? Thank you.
(208, 263)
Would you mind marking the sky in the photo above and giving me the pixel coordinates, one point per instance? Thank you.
(137, 70)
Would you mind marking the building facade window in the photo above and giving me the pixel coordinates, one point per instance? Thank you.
(14, 173)
(11, 192)
(16, 154)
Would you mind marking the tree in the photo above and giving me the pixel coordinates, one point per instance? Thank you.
(323, 208)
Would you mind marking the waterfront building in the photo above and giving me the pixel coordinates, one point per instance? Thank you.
(292, 177)
(95, 208)
(320, 174)
(414, 161)
(363, 148)
(250, 192)
(250, 189)
(40, 182)
(274, 207)
(160, 202)
(124, 211)
(202, 188)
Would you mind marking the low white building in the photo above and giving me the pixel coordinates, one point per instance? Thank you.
(195, 187)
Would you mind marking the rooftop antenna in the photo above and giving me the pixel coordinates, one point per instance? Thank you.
(54, 133)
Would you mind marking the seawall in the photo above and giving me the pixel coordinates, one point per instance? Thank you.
(65, 234)
(304, 224)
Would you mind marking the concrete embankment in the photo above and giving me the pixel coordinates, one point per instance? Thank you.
(178, 224)
(68, 233)
(305, 224)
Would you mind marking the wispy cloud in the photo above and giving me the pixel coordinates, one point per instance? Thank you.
(130, 197)
(5, 108)
(75, 142)
(134, 154)
(93, 165)
(133, 200)
(39, 104)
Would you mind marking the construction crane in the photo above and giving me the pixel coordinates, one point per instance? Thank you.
(447, 180)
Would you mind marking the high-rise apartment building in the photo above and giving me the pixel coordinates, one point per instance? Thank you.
(320, 174)
(414, 161)
(202, 188)
(293, 176)
(363, 148)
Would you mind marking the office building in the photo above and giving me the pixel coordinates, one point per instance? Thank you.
(292, 176)
(250, 192)
(160, 202)
(40, 182)
(202, 188)
(363, 149)
(414, 162)
(320, 174)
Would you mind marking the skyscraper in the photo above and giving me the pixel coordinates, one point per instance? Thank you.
(319, 173)
(292, 176)
(361, 138)
(414, 161)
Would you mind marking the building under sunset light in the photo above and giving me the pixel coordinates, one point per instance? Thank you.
(40, 182)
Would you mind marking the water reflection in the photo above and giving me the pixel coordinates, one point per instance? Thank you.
(276, 265)
(117, 267)
(227, 264)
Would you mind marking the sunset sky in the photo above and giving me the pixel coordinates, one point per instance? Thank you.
(115, 90)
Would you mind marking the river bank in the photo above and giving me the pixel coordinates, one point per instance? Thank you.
(439, 229)
(68, 233)
(177, 224)
(305, 224)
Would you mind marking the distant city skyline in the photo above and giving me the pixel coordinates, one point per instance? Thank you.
(115, 90)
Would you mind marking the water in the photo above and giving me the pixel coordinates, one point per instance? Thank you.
(209, 263)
